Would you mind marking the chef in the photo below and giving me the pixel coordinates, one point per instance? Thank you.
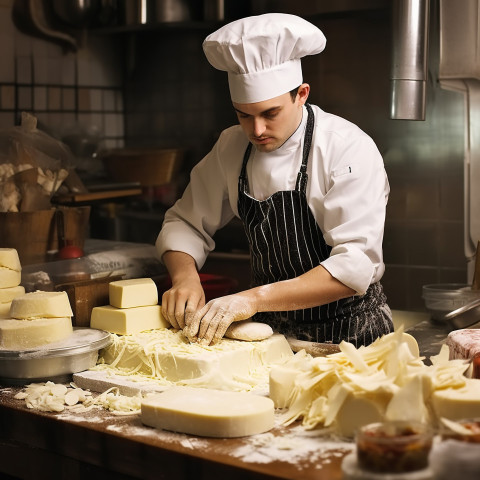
(309, 187)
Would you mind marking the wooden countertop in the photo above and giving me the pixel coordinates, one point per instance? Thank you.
(98, 444)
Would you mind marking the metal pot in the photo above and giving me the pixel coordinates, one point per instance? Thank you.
(77, 13)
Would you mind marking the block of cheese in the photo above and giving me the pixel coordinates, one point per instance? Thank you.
(41, 305)
(9, 278)
(465, 344)
(126, 321)
(24, 334)
(8, 294)
(5, 310)
(208, 412)
(458, 403)
(167, 355)
(9, 259)
(134, 292)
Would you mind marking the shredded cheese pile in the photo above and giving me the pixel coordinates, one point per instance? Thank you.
(145, 357)
(388, 374)
(54, 397)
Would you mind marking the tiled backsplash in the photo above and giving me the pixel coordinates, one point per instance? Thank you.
(64, 90)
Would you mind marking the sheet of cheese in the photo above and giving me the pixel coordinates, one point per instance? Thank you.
(41, 305)
(127, 321)
(9, 259)
(208, 412)
(134, 292)
(8, 294)
(9, 278)
(23, 334)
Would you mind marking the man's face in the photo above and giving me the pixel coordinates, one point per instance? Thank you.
(270, 123)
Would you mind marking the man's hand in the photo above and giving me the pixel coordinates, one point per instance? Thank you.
(182, 301)
(186, 295)
(209, 324)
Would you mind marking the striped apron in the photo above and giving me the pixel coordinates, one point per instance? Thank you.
(285, 242)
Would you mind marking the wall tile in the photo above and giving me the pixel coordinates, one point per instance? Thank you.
(68, 99)
(24, 72)
(24, 98)
(7, 120)
(40, 98)
(7, 94)
(54, 98)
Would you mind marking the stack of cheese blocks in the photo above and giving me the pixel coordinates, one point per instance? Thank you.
(10, 278)
(133, 307)
(36, 319)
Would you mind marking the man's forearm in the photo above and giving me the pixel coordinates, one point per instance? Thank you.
(314, 288)
(179, 264)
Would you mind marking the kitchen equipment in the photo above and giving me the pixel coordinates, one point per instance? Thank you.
(465, 316)
(149, 167)
(76, 13)
(34, 234)
(66, 248)
(441, 299)
(56, 361)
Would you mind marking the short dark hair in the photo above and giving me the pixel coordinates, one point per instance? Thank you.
(293, 93)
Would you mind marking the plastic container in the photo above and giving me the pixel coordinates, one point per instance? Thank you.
(393, 447)
(441, 299)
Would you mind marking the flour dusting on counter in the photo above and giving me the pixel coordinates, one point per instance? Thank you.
(293, 446)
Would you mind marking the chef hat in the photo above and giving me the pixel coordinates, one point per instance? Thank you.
(262, 54)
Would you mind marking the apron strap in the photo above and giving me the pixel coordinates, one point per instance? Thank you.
(302, 176)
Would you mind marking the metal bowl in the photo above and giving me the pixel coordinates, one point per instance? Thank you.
(56, 361)
(465, 316)
(441, 299)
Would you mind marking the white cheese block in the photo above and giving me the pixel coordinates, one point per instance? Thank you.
(167, 355)
(8, 294)
(208, 413)
(9, 259)
(458, 403)
(134, 292)
(41, 305)
(5, 310)
(126, 321)
(9, 278)
(23, 334)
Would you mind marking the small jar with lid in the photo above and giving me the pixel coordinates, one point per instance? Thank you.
(394, 447)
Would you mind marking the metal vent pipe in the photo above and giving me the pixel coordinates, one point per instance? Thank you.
(409, 59)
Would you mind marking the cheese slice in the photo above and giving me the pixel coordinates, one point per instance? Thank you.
(208, 412)
(9, 259)
(134, 292)
(458, 403)
(41, 305)
(8, 294)
(126, 321)
(23, 334)
(9, 278)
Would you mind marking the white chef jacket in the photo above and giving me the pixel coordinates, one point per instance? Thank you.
(347, 192)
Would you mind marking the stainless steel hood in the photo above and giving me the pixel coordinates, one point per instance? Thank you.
(410, 20)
